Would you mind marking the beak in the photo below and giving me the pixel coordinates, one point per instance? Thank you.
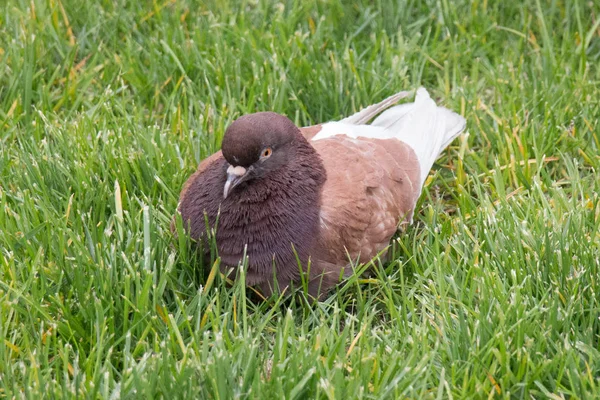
(235, 176)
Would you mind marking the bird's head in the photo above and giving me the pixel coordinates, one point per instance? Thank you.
(256, 145)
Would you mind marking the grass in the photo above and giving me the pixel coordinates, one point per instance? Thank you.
(106, 107)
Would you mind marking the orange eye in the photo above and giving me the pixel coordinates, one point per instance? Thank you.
(266, 153)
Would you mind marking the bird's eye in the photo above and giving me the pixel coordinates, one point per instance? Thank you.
(266, 153)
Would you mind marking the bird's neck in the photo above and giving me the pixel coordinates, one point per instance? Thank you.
(275, 215)
(299, 179)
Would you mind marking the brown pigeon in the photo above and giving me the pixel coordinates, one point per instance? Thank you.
(318, 198)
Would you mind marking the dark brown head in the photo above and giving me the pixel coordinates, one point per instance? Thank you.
(257, 145)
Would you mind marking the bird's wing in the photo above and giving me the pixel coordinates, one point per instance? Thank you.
(372, 185)
(424, 126)
(375, 174)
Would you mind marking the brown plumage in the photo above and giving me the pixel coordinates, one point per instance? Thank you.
(328, 193)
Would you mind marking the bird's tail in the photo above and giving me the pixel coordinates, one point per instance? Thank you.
(368, 113)
(424, 126)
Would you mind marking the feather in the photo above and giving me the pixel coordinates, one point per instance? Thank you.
(425, 127)
(368, 113)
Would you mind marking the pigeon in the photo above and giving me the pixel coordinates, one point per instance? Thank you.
(294, 205)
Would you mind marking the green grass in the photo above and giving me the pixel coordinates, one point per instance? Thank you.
(106, 107)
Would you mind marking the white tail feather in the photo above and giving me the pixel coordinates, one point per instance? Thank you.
(368, 113)
(424, 126)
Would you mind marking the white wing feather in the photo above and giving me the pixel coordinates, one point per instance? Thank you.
(424, 126)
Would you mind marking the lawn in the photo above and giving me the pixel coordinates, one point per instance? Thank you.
(106, 107)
